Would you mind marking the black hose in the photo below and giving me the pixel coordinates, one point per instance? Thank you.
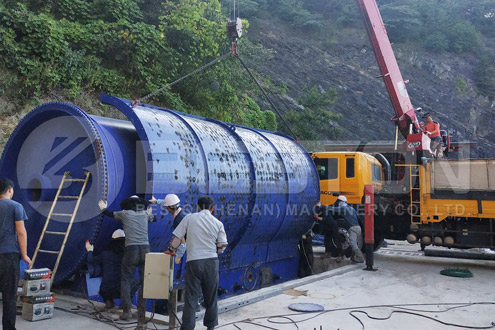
(385, 164)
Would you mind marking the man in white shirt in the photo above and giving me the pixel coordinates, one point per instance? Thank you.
(206, 239)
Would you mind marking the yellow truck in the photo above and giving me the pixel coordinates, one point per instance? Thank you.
(441, 202)
(346, 173)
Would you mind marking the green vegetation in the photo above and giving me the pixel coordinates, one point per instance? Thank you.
(461, 85)
(126, 48)
(485, 77)
(316, 121)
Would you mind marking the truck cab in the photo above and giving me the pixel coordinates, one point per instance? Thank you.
(346, 173)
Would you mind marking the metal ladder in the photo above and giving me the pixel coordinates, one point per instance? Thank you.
(415, 193)
(71, 215)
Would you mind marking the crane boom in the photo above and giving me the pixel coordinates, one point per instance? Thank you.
(389, 69)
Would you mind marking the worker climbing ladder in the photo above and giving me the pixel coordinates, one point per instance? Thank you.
(72, 216)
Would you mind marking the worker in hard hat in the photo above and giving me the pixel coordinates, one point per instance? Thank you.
(108, 264)
(351, 222)
(432, 129)
(135, 216)
(172, 204)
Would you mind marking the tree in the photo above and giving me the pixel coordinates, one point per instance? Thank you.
(485, 77)
(403, 21)
(316, 121)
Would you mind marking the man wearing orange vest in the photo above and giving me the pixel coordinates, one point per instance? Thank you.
(432, 129)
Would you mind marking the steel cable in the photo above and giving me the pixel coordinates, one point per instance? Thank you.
(218, 59)
(267, 97)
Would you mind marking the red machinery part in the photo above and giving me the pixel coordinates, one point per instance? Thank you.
(369, 209)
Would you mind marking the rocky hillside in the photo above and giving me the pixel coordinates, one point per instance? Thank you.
(350, 67)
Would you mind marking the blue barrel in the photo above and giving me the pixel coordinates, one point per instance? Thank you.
(264, 183)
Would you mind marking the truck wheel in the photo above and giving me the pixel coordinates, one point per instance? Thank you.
(344, 238)
(379, 239)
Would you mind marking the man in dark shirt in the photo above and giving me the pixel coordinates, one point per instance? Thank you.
(13, 240)
(108, 264)
(135, 216)
(330, 230)
(351, 222)
(172, 204)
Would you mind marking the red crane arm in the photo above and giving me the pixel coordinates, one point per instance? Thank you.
(389, 69)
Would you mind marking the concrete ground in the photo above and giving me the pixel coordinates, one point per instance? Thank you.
(406, 292)
(404, 278)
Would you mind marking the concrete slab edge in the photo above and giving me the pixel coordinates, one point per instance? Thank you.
(239, 301)
(252, 297)
(67, 302)
(437, 260)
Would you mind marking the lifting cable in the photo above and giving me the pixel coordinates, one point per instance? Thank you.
(233, 5)
(218, 59)
(233, 51)
(267, 97)
(234, 31)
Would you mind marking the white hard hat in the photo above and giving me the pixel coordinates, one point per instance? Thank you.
(171, 200)
(134, 196)
(118, 234)
(342, 198)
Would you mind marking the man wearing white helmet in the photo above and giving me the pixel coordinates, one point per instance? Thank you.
(108, 265)
(172, 204)
(344, 210)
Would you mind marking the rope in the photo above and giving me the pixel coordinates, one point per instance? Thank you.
(266, 96)
(233, 18)
(218, 59)
(238, 10)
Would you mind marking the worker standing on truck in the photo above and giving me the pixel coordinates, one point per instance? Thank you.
(13, 239)
(344, 210)
(432, 129)
(135, 216)
(206, 239)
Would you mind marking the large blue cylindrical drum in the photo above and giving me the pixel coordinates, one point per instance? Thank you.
(264, 184)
